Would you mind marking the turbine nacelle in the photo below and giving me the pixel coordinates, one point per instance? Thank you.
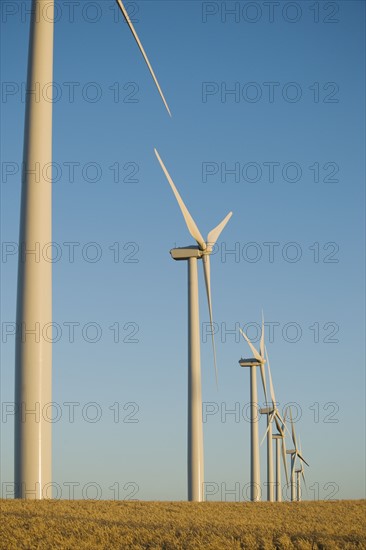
(251, 362)
(186, 252)
(267, 410)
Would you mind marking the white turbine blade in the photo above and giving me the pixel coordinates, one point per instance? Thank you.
(264, 384)
(293, 430)
(261, 345)
(284, 416)
(273, 397)
(300, 446)
(303, 477)
(293, 465)
(261, 352)
(283, 420)
(215, 233)
(207, 272)
(283, 446)
(301, 457)
(191, 225)
(271, 416)
(302, 467)
(278, 425)
(299, 454)
(132, 29)
(254, 351)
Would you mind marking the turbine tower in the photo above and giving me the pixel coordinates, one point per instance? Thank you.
(280, 437)
(257, 361)
(277, 438)
(191, 254)
(294, 453)
(298, 484)
(268, 411)
(272, 414)
(33, 353)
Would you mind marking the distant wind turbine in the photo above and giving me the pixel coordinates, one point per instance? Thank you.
(272, 414)
(257, 361)
(191, 254)
(300, 472)
(280, 437)
(33, 355)
(295, 453)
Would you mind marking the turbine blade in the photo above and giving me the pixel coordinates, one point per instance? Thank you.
(300, 446)
(278, 425)
(215, 233)
(207, 272)
(303, 459)
(261, 345)
(254, 351)
(303, 477)
(293, 465)
(293, 430)
(264, 383)
(283, 446)
(273, 397)
(269, 421)
(132, 29)
(283, 420)
(191, 225)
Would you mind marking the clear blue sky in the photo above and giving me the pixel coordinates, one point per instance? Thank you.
(299, 161)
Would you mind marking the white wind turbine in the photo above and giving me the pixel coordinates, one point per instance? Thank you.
(280, 437)
(33, 356)
(273, 413)
(257, 361)
(295, 453)
(299, 472)
(191, 254)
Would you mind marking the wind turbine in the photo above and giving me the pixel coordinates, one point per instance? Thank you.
(257, 361)
(299, 472)
(280, 437)
(295, 453)
(191, 254)
(272, 413)
(33, 354)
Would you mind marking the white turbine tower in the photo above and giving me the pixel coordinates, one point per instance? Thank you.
(257, 361)
(33, 356)
(272, 413)
(280, 437)
(191, 254)
(295, 453)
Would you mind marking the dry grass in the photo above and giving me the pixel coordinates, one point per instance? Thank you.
(167, 525)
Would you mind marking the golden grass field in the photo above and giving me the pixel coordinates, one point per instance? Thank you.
(89, 524)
